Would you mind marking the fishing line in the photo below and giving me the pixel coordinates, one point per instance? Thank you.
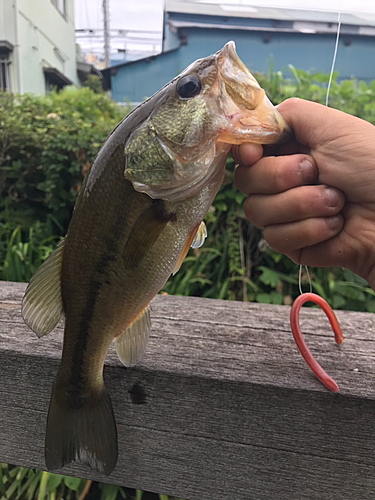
(327, 99)
(300, 278)
(334, 56)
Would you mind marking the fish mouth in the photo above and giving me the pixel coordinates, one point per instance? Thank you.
(249, 113)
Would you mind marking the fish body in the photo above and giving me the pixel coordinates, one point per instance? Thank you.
(138, 212)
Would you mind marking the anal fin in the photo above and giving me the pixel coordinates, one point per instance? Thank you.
(42, 306)
(131, 343)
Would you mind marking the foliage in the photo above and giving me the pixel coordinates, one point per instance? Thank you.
(94, 83)
(47, 146)
(20, 483)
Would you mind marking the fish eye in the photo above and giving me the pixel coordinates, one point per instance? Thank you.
(188, 86)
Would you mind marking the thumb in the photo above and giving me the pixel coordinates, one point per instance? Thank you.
(314, 124)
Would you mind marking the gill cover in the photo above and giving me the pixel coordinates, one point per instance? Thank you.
(182, 145)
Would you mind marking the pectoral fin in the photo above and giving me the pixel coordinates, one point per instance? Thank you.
(42, 306)
(131, 344)
(200, 236)
(145, 232)
(195, 240)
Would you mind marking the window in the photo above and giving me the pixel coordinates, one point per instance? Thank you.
(55, 79)
(60, 6)
(4, 73)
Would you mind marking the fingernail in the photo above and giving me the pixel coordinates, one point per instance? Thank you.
(239, 159)
(331, 197)
(334, 223)
(308, 171)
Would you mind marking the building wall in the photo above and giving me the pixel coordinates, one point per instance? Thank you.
(256, 49)
(7, 21)
(138, 80)
(42, 37)
(8, 28)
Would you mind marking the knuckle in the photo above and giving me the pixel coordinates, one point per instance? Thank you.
(278, 243)
(253, 211)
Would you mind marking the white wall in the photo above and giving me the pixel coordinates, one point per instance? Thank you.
(41, 37)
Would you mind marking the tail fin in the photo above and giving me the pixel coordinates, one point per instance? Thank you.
(81, 428)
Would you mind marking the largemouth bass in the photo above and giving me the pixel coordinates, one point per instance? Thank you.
(138, 212)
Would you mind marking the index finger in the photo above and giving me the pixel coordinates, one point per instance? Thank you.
(247, 153)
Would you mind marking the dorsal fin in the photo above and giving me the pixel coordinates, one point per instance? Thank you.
(131, 343)
(42, 306)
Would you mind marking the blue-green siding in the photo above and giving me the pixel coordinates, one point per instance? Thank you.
(356, 57)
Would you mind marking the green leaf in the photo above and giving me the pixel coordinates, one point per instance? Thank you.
(276, 298)
(351, 291)
(269, 277)
(363, 86)
(110, 491)
(54, 481)
(43, 485)
(294, 72)
(2, 486)
(72, 483)
(276, 257)
(263, 298)
(338, 301)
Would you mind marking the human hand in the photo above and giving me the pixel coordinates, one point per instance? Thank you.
(315, 198)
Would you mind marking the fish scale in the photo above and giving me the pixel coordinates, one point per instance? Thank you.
(140, 208)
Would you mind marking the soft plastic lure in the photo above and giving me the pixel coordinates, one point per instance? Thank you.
(301, 344)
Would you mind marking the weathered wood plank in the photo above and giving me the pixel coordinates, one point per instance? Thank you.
(221, 405)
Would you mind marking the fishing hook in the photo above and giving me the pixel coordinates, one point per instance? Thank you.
(300, 342)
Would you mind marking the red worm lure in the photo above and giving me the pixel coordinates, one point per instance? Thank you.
(301, 344)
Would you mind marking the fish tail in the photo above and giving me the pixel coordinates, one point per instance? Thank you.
(81, 427)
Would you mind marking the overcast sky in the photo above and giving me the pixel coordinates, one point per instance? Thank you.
(147, 15)
(123, 14)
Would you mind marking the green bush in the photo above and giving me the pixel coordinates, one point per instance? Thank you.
(48, 143)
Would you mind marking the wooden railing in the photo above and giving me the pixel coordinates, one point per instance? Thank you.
(221, 406)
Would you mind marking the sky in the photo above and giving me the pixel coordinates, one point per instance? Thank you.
(144, 19)
(147, 15)
(330, 5)
(124, 14)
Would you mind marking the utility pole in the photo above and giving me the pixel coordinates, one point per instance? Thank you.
(106, 33)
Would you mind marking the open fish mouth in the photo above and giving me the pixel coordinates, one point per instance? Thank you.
(250, 114)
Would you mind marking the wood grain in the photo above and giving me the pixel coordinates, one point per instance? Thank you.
(221, 405)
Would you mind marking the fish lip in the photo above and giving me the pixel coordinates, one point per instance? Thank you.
(230, 65)
(229, 51)
(264, 124)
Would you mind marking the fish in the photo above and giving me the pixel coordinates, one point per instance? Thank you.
(139, 210)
